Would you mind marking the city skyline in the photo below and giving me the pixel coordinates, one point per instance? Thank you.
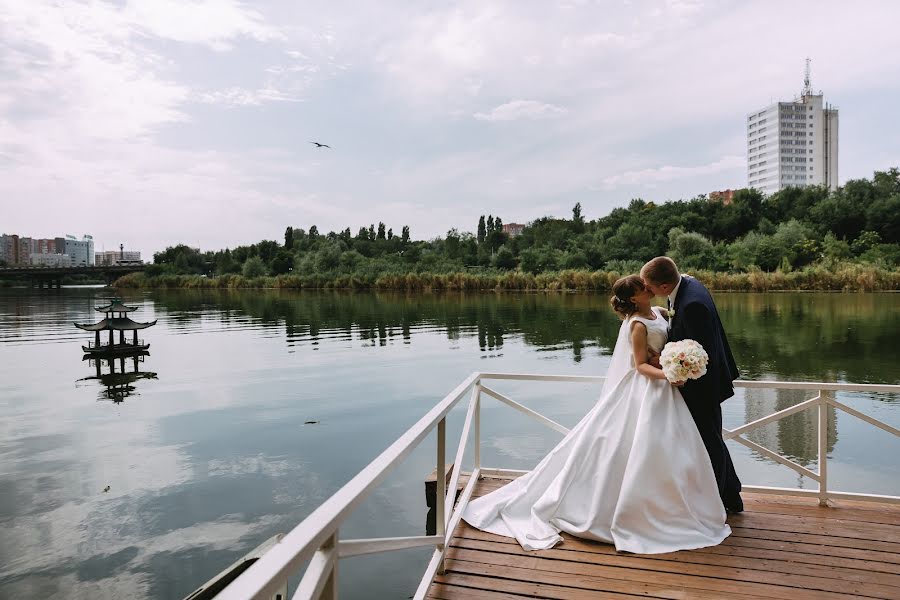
(195, 120)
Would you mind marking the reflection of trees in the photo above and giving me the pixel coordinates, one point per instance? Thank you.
(828, 337)
(795, 436)
(546, 320)
(794, 335)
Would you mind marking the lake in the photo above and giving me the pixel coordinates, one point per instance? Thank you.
(207, 451)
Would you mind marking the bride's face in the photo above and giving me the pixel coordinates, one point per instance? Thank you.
(643, 297)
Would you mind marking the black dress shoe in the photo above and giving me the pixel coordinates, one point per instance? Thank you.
(734, 505)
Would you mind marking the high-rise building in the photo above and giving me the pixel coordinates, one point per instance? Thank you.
(793, 143)
(81, 251)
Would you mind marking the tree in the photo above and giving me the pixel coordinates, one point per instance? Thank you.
(289, 238)
(490, 224)
(451, 243)
(372, 232)
(381, 234)
(577, 219)
(313, 232)
(404, 237)
(481, 230)
(283, 262)
(691, 250)
(390, 234)
(254, 267)
(865, 241)
(505, 259)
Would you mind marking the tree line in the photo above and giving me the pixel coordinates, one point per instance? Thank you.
(858, 223)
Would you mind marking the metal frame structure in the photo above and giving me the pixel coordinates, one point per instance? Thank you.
(316, 538)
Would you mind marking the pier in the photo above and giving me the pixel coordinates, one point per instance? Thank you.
(789, 543)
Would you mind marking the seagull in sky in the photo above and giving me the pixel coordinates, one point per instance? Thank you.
(318, 145)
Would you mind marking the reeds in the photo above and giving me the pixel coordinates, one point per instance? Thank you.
(846, 277)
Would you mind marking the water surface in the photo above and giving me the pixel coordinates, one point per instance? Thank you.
(207, 451)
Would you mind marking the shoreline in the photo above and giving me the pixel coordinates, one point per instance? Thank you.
(850, 278)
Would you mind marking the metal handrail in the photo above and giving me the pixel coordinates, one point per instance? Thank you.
(315, 539)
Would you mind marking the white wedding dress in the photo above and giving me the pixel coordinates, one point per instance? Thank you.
(633, 472)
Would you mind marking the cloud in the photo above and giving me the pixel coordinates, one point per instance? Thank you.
(671, 173)
(214, 23)
(521, 109)
(243, 97)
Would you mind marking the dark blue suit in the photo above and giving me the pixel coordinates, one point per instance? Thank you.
(696, 318)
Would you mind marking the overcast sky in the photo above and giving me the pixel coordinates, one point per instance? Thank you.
(163, 121)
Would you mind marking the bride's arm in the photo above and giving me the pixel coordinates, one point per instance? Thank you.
(640, 349)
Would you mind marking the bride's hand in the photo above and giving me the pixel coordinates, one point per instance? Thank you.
(653, 358)
(679, 384)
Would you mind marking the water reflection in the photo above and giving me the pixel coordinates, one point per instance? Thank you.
(794, 436)
(118, 376)
(825, 337)
(216, 457)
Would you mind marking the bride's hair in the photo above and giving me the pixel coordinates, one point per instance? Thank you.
(624, 290)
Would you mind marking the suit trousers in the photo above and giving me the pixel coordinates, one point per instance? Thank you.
(708, 417)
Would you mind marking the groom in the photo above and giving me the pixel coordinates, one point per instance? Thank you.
(694, 316)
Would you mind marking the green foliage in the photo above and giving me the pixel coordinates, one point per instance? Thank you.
(254, 267)
(793, 231)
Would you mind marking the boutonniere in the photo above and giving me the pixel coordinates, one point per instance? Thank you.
(670, 313)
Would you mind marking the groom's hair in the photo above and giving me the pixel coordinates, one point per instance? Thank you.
(660, 270)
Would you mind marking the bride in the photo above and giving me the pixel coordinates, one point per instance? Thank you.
(633, 472)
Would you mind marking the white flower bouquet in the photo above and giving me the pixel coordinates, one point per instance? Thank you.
(683, 360)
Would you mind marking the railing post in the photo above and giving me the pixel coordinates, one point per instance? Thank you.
(476, 426)
(823, 449)
(330, 591)
(441, 483)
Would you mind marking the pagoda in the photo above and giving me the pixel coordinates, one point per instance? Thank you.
(116, 319)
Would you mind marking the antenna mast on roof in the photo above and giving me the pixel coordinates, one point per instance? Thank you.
(807, 88)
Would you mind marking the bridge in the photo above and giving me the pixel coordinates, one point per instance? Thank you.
(39, 276)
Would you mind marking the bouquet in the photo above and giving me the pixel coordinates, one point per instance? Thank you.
(683, 360)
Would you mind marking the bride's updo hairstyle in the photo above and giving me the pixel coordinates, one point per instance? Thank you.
(624, 290)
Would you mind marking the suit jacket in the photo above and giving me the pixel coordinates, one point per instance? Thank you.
(696, 318)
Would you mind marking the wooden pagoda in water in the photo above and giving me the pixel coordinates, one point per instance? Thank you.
(116, 320)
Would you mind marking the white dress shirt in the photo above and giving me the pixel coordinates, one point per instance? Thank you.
(674, 293)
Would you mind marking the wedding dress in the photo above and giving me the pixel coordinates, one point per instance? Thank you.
(633, 472)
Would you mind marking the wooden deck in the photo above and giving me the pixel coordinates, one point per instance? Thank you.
(781, 547)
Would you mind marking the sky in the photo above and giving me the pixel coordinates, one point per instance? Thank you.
(151, 123)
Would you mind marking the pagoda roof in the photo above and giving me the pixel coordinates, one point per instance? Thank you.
(117, 324)
(116, 305)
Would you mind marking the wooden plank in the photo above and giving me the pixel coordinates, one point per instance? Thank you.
(869, 512)
(473, 584)
(822, 545)
(834, 562)
(790, 546)
(444, 591)
(706, 565)
(779, 560)
(782, 547)
(604, 578)
(833, 527)
(810, 538)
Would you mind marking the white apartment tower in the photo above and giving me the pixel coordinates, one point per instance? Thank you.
(793, 143)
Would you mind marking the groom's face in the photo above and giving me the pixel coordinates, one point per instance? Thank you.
(658, 289)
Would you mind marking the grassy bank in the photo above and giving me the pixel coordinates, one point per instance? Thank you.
(851, 278)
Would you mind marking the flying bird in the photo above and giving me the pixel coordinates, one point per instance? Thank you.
(318, 145)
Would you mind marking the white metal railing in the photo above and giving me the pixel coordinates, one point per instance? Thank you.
(316, 539)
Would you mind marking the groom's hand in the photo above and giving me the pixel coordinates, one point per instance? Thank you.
(653, 358)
